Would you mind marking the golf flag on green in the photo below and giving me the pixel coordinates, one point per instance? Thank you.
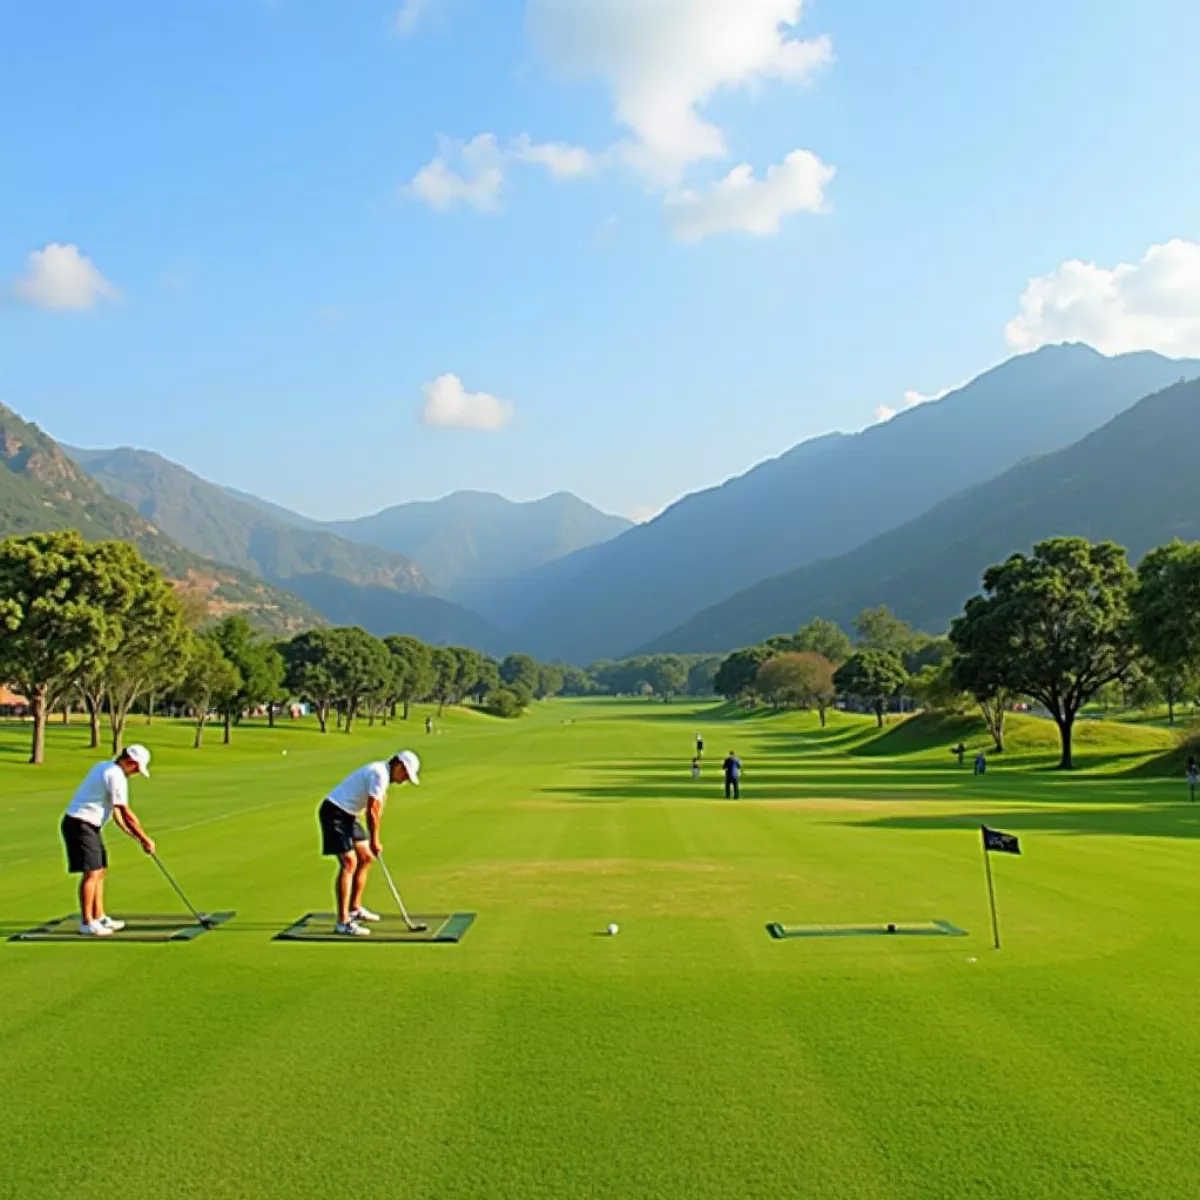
(1000, 843)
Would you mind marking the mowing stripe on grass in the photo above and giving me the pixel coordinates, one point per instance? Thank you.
(887, 929)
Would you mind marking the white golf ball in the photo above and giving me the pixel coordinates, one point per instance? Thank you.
(613, 930)
(284, 752)
(972, 960)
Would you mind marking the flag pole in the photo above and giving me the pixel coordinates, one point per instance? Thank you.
(987, 867)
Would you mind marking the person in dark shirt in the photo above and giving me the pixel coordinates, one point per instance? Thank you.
(699, 745)
(732, 767)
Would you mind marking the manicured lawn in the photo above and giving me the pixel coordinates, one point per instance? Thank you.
(691, 1056)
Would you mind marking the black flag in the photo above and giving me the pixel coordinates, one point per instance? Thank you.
(1002, 843)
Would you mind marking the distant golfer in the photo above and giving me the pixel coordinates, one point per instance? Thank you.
(980, 764)
(699, 745)
(732, 766)
(103, 795)
(428, 724)
(696, 768)
(344, 838)
(959, 752)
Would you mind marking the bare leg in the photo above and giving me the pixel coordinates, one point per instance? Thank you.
(345, 880)
(89, 885)
(362, 869)
(98, 903)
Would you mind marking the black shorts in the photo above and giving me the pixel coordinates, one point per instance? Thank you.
(339, 829)
(85, 846)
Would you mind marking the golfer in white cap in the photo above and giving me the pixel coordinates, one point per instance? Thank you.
(355, 848)
(103, 795)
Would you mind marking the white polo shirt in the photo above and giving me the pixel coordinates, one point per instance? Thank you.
(367, 783)
(103, 789)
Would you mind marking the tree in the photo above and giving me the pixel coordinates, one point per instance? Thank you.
(826, 638)
(444, 670)
(873, 677)
(468, 672)
(668, 676)
(576, 681)
(701, 675)
(1054, 626)
(259, 665)
(1166, 616)
(880, 629)
(309, 671)
(208, 675)
(60, 601)
(802, 679)
(989, 679)
(361, 666)
(520, 668)
(505, 702)
(413, 677)
(737, 675)
(550, 681)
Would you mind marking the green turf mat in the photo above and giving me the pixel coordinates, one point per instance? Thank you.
(883, 929)
(443, 928)
(139, 927)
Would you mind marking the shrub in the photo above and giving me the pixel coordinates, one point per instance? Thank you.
(504, 702)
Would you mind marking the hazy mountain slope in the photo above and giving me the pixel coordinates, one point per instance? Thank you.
(1134, 481)
(466, 540)
(822, 498)
(209, 521)
(42, 489)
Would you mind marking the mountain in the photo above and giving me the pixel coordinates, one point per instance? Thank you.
(820, 499)
(468, 540)
(347, 582)
(41, 489)
(1134, 482)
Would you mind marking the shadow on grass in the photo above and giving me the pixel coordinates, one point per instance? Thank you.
(1181, 820)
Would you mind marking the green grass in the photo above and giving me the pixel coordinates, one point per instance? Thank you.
(692, 1056)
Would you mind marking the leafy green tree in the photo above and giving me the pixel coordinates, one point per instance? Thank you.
(362, 669)
(873, 677)
(468, 671)
(701, 675)
(880, 629)
(989, 679)
(259, 665)
(505, 702)
(1166, 614)
(61, 601)
(823, 637)
(413, 669)
(576, 681)
(207, 676)
(934, 687)
(668, 676)
(804, 679)
(1055, 626)
(309, 672)
(520, 668)
(550, 681)
(737, 675)
(444, 664)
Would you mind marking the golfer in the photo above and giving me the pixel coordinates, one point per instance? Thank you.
(699, 745)
(732, 766)
(343, 837)
(103, 795)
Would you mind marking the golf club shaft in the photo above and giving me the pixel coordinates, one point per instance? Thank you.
(396, 893)
(178, 890)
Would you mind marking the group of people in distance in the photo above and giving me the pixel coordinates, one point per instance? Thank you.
(731, 768)
(104, 795)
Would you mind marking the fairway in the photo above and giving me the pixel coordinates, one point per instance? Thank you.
(690, 1056)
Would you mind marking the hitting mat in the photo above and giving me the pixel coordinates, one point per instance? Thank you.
(318, 927)
(885, 929)
(139, 927)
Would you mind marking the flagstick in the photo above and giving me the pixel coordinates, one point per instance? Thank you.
(987, 866)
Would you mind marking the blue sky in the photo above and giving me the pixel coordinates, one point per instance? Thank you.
(246, 233)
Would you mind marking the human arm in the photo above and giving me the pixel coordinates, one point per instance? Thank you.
(128, 823)
(374, 820)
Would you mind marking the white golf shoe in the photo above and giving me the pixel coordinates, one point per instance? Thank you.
(95, 929)
(111, 923)
(364, 914)
(351, 929)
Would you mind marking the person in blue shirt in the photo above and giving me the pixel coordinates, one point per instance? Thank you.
(732, 767)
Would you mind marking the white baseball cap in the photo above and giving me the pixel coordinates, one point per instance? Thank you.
(412, 764)
(141, 756)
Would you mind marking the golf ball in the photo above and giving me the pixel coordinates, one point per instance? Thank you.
(284, 752)
(613, 930)
(972, 960)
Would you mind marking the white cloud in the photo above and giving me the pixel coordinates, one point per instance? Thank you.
(60, 277)
(644, 513)
(410, 15)
(473, 173)
(885, 412)
(663, 60)
(745, 203)
(1153, 304)
(448, 405)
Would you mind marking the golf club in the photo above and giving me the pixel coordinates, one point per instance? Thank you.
(414, 927)
(179, 892)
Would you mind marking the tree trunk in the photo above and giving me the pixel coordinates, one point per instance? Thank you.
(339, 716)
(150, 710)
(351, 711)
(37, 706)
(116, 721)
(407, 708)
(94, 720)
(821, 712)
(879, 713)
(1170, 705)
(270, 716)
(1066, 728)
(66, 712)
(199, 732)
(228, 726)
(322, 711)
